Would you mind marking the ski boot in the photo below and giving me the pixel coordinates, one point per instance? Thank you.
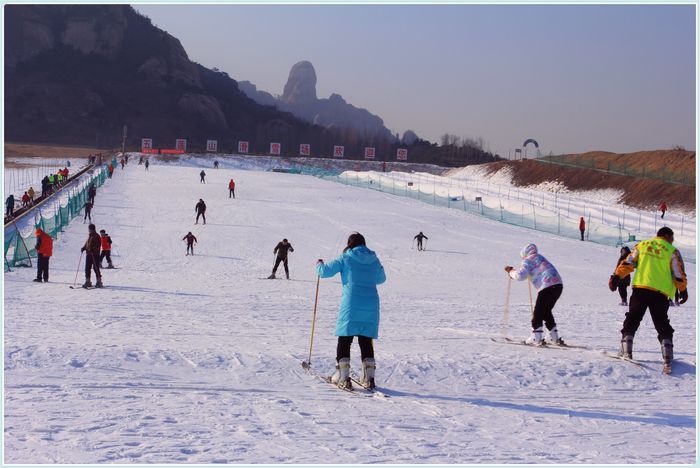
(667, 354)
(99, 284)
(87, 284)
(341, 377)
(536, 339)
(272, 276)
(368, 367)
(623, 303)
(287, 275)
(37, 280)
(626, 347)
(554, 337)
(110, 266)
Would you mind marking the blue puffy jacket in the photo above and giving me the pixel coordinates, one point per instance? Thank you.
(360, 272)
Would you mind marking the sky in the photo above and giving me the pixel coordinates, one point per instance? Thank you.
(575, 78)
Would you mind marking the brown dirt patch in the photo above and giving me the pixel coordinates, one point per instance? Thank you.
(638, 192)
(28, 150)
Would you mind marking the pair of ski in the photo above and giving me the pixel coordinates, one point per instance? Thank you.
(359, 389)
(507, 340)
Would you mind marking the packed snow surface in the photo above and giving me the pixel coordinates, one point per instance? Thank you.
(196, 359)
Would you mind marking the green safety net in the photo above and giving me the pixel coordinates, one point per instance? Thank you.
(19, 249)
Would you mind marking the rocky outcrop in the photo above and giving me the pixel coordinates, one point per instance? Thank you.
(300, 89)
(299, 98)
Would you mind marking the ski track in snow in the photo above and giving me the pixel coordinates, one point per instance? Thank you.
(195, 359)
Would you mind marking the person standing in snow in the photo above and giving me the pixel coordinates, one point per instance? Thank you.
(660, 272)
(419, 239)
(624, 282)
(662, 209)
(146, 164)
(216, 164)
(10, 206)
(106, 244)
(88, 210)
(31, 194)
(92, 191)
(360, 272)
(191, 240)
(546, 279)
(231, 189)
(582, 226)
(281, 250)
(200, 208)
(201, 177)
(44, 249)
(92, 256)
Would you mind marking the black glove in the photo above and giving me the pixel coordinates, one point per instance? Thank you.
(82, 249)
(613, 282)
(683, 296)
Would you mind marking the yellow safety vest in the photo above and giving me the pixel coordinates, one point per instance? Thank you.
(654, 266)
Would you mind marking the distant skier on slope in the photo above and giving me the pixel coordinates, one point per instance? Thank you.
(92, 191)
(92, 256)
(231, 189)
(281, 250)
(88, 211)
(660, 271)
(201, 177)
(546, 279)
(200, 208)
(44, 249)
(146, 164)
(106, 244)
(582, 226)
(360, 272)
(419, 240)
(191, 240)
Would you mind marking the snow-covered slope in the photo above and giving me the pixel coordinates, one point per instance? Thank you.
(196, 359)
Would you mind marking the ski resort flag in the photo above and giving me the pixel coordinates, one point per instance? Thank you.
(338, 151)
(243, 147)
(181, 144)
(304, 149)
(146, 143)
(369, 153)
(402, 154)
(212, 145)
(275, 148)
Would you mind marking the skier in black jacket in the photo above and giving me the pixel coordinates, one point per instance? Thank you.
(191, 240)
(419, 237)
(281, 250)
(200, 208)
(201, 177)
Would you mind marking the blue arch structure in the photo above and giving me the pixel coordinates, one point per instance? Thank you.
(531, 140)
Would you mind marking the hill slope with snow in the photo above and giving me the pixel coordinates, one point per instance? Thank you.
(196, 359)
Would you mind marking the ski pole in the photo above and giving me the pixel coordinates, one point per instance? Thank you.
(425, 247)
(307, 364)
(506, 309)
(529, 288)
(77, 270)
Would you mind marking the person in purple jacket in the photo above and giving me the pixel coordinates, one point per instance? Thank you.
(546, 279)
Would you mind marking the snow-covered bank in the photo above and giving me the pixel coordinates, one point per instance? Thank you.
(197, 360)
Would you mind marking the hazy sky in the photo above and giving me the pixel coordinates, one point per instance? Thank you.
(574, 77)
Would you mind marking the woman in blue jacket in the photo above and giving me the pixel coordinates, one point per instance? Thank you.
(360, 272)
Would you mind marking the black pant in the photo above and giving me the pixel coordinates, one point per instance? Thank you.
(92, 263)
(658, 308)
(420, 244)
(277, 263)
(582, 231)
(10, 210)
(190, 248)
(623, 292)
(231, 193)
(662, 214)
(201, 179)
(546, 299)
(344, 342)
(42, 267)
(87, 216)
(108, 255)
(203, 217)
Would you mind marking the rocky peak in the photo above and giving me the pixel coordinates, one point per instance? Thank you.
(301, 84)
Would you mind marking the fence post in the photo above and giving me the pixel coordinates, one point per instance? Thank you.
(639, 226)
(682, 222)
(534, 216)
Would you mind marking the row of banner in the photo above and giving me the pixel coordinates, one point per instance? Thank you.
(275, 149)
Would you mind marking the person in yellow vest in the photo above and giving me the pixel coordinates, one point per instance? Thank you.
(660, 271)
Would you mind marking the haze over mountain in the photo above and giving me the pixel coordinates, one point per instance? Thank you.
(77, 74)
(299, 98)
